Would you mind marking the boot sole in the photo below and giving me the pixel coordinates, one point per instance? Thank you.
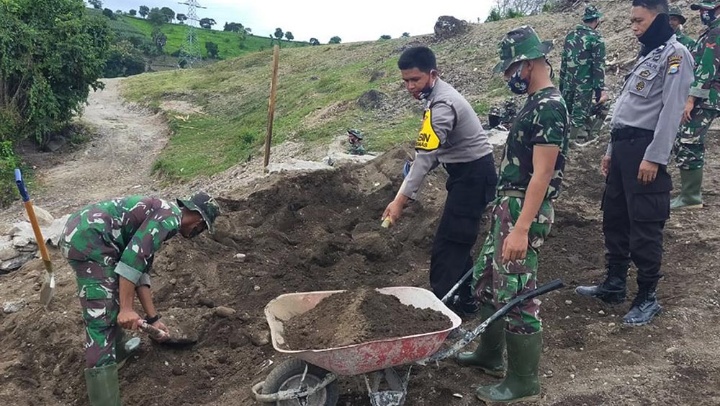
(609, 302)
(688, 207)
(531, 398)
(644, 323)
(496, 374)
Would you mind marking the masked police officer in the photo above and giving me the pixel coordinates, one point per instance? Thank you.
(636, 202)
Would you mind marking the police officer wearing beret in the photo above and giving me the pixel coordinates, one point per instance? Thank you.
(636, 202)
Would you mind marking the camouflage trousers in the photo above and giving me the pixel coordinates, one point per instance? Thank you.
(97, 288)
(496, 283)
(579, 105)
(689, 145)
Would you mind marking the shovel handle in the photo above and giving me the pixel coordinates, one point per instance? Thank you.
(33, 219)
(154, 332)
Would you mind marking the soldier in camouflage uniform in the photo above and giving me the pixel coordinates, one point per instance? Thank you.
(531, 173)
(676, 22)
(355, 138)
(110, 245)
(582, 74)
(701, 108)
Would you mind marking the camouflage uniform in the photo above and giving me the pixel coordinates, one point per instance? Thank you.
(681, 38)
(690, 142)
(355, 138)
(356, 149)
(542, 120)
(582, 72)
(107, 239)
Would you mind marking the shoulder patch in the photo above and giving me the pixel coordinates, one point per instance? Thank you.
(427, 139)
(674, 64)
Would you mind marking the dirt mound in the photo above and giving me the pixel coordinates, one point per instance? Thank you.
(356, 316)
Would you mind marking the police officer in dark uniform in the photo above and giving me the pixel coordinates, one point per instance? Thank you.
(636, 202)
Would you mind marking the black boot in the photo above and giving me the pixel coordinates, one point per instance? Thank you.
(612, 290)
(645, 306)
(463, 303)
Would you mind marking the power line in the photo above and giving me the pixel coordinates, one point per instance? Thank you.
(190, 51)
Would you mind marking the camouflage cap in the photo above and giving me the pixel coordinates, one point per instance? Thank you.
(355, 133)
(520, 44)
(591, 13)
(204, 204)
(705, 5)
(675, 11)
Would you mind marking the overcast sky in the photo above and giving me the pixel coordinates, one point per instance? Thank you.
(353, 20)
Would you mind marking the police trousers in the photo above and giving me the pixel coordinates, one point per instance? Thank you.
(634, 215)
(470, 187)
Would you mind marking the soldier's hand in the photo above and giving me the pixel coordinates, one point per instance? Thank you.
(127, 319)
(515, 246)
(603, 97)
(647, 172)
(689, 106)
(605, 165)
(159, 324)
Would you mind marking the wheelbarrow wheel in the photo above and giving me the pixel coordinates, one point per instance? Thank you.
(289, 375)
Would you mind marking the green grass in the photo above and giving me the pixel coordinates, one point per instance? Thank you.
(316, 95)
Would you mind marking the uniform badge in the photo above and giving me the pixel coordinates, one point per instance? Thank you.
(644, 73)
(674, 64)
(640, 86)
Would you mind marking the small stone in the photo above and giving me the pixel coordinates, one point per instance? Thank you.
(240, 257)
(572, 376)
(457, 395)
(611, 324)
(167, 364)
(568, 302)
(203, 301)
(626, 351)
(601, 312)
(222, 311)
(671, 349)
(171, 266)
(256, 288)
(177, 371)
(173, 281)
(13, 307)
(636, 376)
(259, 338)
(56, 371)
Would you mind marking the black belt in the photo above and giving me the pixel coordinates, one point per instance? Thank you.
(629, 133)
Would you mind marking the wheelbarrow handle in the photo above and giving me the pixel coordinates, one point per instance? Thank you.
(472, 334)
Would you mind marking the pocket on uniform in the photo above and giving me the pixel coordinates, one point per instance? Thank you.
(93, 290)
(651, 206)
(642, 81)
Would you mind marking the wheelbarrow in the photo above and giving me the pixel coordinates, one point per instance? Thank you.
(309, 378)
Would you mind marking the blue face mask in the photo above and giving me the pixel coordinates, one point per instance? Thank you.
(708, 16)
(517, 84)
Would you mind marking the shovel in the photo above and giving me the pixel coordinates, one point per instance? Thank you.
(48, 287)
(164, 337)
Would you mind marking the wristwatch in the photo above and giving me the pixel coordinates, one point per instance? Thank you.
(152, 320)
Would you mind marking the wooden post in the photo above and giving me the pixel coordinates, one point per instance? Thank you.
(271, 107)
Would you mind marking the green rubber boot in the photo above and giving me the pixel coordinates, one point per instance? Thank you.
(488, 356)
(690, 196)
(522, 382)
(103, 386)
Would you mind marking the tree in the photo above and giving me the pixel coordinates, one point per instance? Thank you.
(405, 34)
(144, 11)
(169, 13)
(48, 64)
(133, 12)
(314, 41)
(289, 36)
(385, 36)
(234, 27)
(160, 39)
(515, 8)
(212, 49)
(156, 17)
(181, 18)
(109, 14)
(279, 33)
(97, 4)
(335, 40)
(119, 12)
(207, 23)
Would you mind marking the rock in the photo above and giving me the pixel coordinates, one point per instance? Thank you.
(203, 301)
(240, 257)
(13, 306)
(177, 371)
(43, 216)
(15, 263)
(238, 340)
(259, 338)
(222, 311)
(7, 251)
(57, 371)
(671, 349)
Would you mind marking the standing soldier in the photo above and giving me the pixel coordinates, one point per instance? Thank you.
(582, 74)
(531, 173)
(701, 108)
(636, 202)
(111, 245)
(450, 135)
(676, 22)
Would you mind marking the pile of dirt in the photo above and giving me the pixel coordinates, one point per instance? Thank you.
(357, 316)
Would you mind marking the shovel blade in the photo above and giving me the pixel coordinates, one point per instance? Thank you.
(47, 290)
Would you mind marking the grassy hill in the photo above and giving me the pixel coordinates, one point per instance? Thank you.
(229, 43)
(322, 88)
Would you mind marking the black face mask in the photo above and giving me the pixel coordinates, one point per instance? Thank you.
(708, 16)
(427, 89)
(657, 34)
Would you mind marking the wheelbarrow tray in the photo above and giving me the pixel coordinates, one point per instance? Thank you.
(368, 356)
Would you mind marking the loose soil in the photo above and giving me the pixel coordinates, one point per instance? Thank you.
(357, 316)
(321, 231)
